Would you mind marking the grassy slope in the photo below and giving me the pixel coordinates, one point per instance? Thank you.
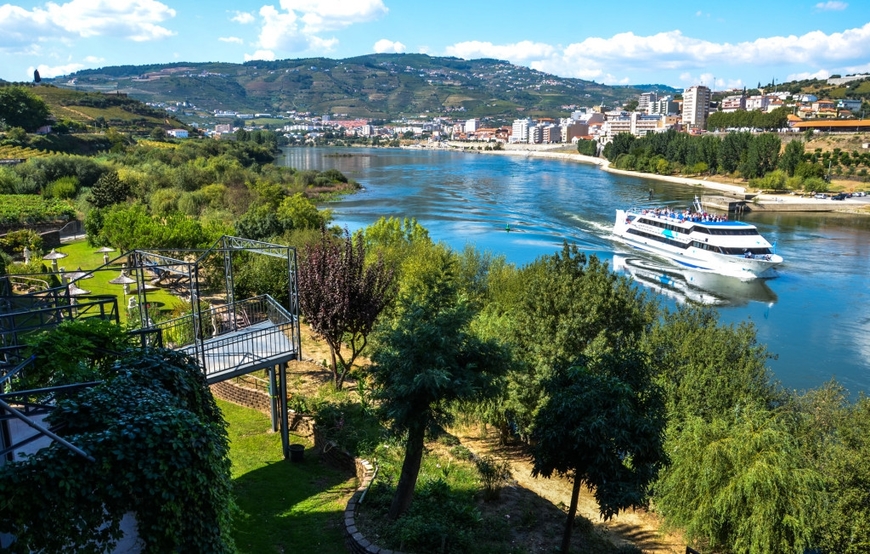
(282, 506)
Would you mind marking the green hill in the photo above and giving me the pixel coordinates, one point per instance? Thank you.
(98, 109)
(377, 86)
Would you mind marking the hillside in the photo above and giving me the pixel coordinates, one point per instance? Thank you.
(96, 109)
(377, 86)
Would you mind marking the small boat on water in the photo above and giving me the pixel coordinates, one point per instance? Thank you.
(698, 240)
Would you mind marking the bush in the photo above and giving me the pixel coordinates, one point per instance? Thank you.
(15, 241)
(493, 473)
(63, 188)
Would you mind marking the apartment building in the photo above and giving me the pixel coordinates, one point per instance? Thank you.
(520, 130)
(696, 107)
(733, 103)
(635, 123)
(645, 102)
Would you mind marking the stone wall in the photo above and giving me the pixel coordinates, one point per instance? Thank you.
(250, 398)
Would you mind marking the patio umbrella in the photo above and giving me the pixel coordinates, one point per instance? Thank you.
(105, 252)
(147, 288)
(54, 256)
(76, 291)
(78, 274)
(122, 279)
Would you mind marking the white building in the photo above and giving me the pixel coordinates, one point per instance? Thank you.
(759, 103)
(664, 105)
(471, 126)
(520, 130)
(733, 103)
(696, 107)
(177, 133)
(645, 102)
(637, 124)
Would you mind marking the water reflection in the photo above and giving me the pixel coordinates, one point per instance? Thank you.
(690, 285)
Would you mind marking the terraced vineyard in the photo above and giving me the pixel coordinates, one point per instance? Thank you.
(8, 152)
(28, 209)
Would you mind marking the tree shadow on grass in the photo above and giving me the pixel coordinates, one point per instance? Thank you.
(292, 507)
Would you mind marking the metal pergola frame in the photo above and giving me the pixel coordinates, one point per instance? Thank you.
(185, 266)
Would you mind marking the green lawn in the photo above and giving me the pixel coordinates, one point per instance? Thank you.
(282, 506)
(80, 254)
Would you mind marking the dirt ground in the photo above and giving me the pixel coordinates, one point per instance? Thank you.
(637, 527)
(536, 505)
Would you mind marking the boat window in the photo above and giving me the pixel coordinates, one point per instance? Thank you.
(742, 251)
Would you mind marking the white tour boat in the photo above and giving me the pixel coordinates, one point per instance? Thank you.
(699, 240)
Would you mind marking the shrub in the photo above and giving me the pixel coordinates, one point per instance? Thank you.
(63, 188)
(493, 473)
(15, 241)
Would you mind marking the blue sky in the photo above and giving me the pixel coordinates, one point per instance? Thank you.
(679, 43)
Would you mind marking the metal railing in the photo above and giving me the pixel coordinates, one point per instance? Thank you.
(234, 338)
(20, 318)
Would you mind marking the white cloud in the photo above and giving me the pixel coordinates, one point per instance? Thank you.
(821, 74)
(94, 59)
(610, 60)
(55, 71)
(243, 17)
(136, 20)
(384, 46)
(332, 15)
(298, 24)
(260, 55)
(831, 5)
(235, 40)
(518, 52)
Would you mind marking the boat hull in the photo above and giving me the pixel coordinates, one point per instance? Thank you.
(741, 267)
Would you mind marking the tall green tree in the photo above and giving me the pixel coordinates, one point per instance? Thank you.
(570, 306)
(707, 369)
(109, 190)
(427, 358)
(21, 108)
(602, 425)
(792, 156)
(341, 296)
(741, 483)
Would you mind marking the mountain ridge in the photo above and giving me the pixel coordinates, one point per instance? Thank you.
(372, 86)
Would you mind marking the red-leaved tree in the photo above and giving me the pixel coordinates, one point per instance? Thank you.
(341, 297)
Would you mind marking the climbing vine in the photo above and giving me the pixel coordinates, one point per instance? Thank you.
(161, 452)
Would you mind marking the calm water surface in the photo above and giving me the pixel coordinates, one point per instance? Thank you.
(815, 316)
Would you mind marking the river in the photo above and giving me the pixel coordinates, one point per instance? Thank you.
(814, 316)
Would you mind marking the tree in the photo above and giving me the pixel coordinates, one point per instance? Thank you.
(109, 190)
(621, 144)
(602, 425)
(793, 155)
(157, 133)
(21, 108)
(298, 212)
(341, 296)
(570, 306)
(741, 482)
(732, 152)
(707, 369)
(427, 358)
